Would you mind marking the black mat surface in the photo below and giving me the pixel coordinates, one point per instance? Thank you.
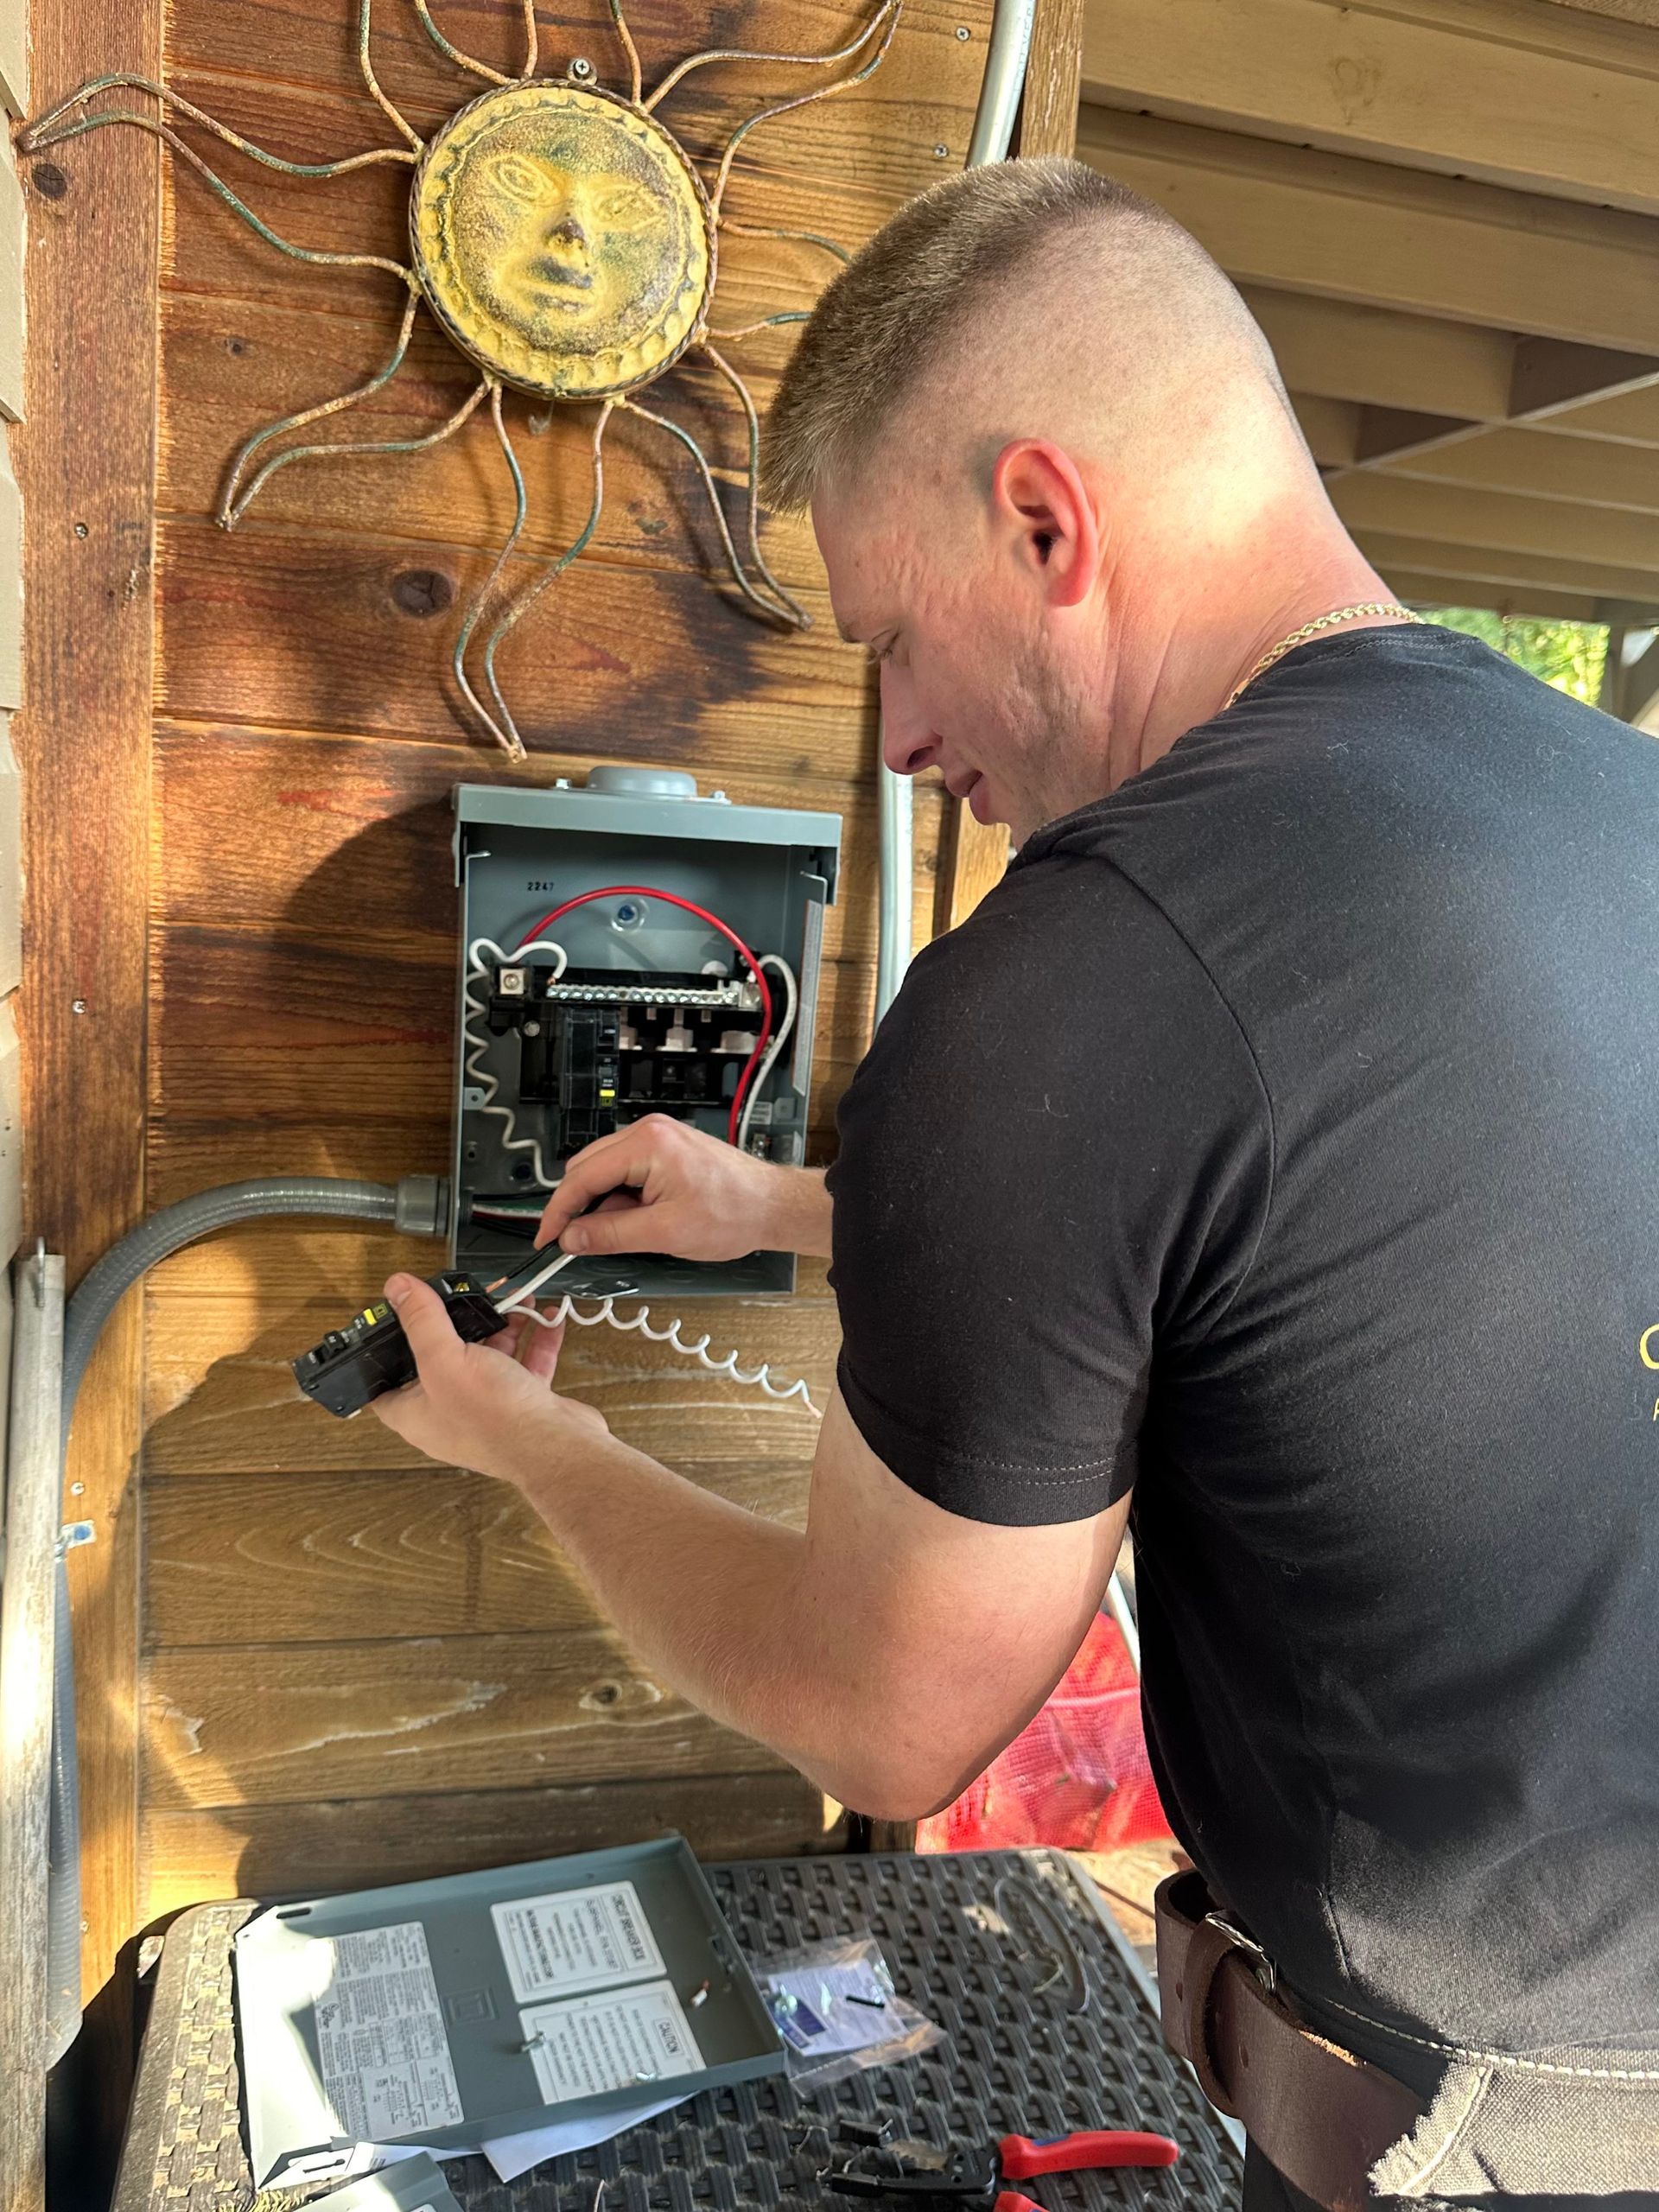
(1048, 2022)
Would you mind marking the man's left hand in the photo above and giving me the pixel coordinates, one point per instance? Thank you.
(487, 1406)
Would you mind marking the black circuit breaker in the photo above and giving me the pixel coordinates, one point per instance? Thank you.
(628, 948)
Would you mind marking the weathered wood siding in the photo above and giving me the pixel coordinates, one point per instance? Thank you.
(22, 2100)
(346, 1666)
(14, 92)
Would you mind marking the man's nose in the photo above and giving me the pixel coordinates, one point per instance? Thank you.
(908, 745)
(567, 231)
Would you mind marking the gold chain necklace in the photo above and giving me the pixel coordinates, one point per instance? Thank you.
(1311, 629)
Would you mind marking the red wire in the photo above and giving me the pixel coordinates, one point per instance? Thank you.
(670, 899)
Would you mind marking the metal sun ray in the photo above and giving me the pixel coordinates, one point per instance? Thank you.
(473, 329)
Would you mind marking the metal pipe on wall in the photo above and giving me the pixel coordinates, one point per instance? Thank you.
(417, 1206)
(1000, 91)
(29, 1614)
(1004, 81)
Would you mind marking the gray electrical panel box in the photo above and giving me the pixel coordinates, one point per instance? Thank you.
(598, 985)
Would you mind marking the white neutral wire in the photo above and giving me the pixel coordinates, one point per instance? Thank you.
(792, 1000)
(529, 1289)
(475, 1070)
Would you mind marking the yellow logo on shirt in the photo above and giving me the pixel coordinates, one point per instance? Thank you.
(1647, 1346)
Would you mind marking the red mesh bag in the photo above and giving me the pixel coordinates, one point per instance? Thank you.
(1078, 1777)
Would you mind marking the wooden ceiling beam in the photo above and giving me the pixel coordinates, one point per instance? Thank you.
(1346, 229)
(1377, 358)
(1504, 91)
(1458, 516)
(1585, 472)
(1630, 419)
(1386, 433)
(1627, 11)
(1331, 427)
(1628, 595)
(1417, 588)
(1419, 365)
(1550, 376)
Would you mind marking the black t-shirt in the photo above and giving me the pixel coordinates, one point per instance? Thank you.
(1281, 1138)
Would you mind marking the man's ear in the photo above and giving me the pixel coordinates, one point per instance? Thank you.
(1040, 498)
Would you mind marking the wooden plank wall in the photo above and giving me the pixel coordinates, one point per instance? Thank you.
(22, 2179)
(352, 1667)
(85, 461)
(13, 94)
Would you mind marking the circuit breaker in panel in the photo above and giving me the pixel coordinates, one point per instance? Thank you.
(629, 948)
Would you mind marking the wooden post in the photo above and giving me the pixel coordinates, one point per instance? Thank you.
(973, 856)
(1611, 695)
(85, 458)
(1048, 114)
(33, 1514)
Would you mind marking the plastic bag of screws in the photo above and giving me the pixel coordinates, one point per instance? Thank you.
(837, 2011)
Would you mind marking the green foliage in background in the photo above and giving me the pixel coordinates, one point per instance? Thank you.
(1569, 655)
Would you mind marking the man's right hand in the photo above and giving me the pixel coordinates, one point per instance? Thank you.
(665, 1187)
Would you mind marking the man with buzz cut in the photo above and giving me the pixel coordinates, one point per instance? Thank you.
(1273, 1157)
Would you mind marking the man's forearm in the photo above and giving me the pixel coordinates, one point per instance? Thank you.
(715, 1600)
(798, 1213)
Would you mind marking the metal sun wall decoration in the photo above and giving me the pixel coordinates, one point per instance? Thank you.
(564, 241)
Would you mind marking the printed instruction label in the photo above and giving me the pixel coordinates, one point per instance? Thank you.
(625, 2039)
(578, 1940)
(380, 2036)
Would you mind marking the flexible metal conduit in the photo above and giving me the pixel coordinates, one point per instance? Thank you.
(419, 1206)
(999, 103)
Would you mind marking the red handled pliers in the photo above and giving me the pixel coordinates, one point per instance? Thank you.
(1019, 2158)
(980, 2182)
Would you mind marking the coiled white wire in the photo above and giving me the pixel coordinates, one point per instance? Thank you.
(726, 1369)
(477, 1046)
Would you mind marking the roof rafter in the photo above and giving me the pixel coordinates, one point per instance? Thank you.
(1625, 595)
(1395, 85)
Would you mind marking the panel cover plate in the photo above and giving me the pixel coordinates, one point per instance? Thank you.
(481, 2004)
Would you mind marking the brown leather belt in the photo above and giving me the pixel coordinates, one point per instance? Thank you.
(1322, 2116)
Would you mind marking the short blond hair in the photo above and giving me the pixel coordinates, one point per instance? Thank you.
(945, 261)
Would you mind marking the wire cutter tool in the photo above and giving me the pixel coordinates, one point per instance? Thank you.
(927, 2175)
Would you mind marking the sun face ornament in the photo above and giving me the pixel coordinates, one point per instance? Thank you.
(565, 243)
(563, 240)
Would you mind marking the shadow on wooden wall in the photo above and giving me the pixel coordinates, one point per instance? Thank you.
(323, 1665)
